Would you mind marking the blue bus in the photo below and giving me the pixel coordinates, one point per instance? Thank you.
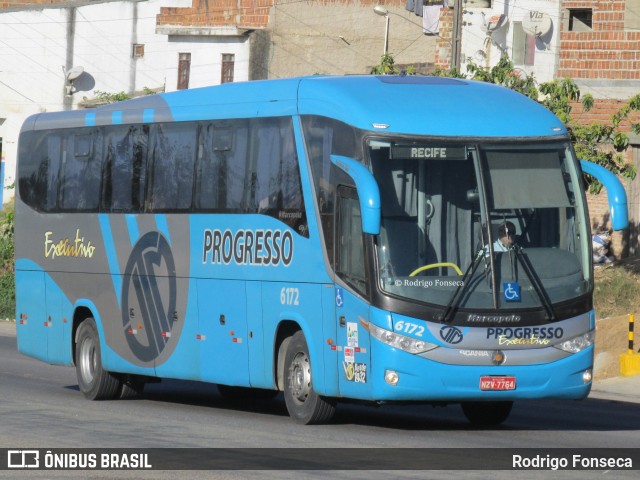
(330, 238)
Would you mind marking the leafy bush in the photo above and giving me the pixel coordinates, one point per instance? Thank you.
(603, 144)
(7, 283)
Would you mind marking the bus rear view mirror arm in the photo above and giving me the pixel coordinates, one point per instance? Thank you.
(616, 194)
(368, 192)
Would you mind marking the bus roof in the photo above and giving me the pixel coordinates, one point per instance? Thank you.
(392, 104)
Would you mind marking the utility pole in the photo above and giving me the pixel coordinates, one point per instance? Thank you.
(456, 35)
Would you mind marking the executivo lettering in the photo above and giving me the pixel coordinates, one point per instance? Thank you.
(77, 248)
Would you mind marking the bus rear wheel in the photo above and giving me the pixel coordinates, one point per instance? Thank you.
(94, 382)
(486, 414)
(305, 406)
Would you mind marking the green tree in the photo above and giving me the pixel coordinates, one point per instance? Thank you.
(387, 66)
(596, 142)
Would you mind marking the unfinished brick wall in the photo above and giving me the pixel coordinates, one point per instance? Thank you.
(208, 13)
(626, 242)
(443, 43)
(607, 51)
(242, 13)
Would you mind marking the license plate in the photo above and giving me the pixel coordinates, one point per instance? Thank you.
(497, 383)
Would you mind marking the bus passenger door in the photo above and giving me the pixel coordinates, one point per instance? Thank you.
(354, 363)
(222, 331)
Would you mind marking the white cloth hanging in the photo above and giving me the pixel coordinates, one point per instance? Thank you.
(431, 19)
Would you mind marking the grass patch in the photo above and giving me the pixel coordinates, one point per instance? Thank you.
(7, 284)
(617, 291)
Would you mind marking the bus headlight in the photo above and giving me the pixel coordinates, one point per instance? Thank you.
(408, 344)
(577, 344)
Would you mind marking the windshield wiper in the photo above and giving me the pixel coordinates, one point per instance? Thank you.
(535, 282)
(462, 287)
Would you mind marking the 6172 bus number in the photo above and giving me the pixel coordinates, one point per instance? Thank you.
(289, 296)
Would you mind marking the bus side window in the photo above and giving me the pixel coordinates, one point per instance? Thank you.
(350, 261)
(221, 173)
(275, 188)
(40, 154)
(49, 170)
(172, 167)
(81, 175)
(125, 175)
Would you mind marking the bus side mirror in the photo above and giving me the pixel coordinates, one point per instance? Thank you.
(616, 195)
(368, 191)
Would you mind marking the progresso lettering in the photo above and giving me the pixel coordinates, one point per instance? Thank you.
(248, 247)
(525, 333)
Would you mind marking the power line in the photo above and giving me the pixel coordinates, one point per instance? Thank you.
(19, 93)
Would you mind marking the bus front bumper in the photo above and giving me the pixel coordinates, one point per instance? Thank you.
(421, 379)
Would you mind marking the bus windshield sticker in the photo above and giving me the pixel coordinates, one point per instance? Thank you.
(352, 334)
(511, 291)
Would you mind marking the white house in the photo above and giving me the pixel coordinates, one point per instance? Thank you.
(528, 31)
(56, 57)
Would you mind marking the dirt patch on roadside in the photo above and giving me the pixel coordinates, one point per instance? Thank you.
(616, 296)
(611, 342)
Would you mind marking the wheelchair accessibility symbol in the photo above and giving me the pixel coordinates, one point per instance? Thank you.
(339, 297)
(511, 291)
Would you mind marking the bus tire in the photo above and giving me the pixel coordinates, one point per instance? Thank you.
(486, 414)
(305, 406)
(94, 382)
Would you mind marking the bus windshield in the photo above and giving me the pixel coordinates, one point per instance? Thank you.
(480, 226)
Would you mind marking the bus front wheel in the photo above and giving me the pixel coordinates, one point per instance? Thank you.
(305, 406)
(94, 382)
(486, 414)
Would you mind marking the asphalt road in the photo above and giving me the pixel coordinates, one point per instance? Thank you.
(41, 407)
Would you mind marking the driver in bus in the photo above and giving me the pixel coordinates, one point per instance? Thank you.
(506, 237)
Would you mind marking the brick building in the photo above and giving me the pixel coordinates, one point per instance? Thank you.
(600, 50)
(291, 38)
